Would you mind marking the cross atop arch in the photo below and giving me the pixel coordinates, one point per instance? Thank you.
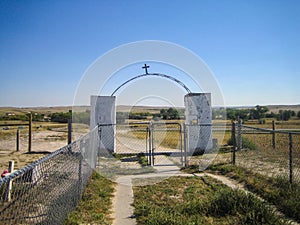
(146, 68)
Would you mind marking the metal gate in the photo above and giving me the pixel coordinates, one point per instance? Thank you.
(159, 142)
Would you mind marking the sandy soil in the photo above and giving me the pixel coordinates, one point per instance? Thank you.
(43, 143)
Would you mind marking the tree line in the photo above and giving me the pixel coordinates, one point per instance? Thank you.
(259, 113)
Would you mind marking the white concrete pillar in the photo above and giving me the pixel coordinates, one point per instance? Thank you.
(103, 112)
(198, 120)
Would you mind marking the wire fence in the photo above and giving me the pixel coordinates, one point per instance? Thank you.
(154, 140)
(45, 191)
(268, 152)
(273, 153)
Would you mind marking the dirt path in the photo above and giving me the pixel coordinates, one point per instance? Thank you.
(123, 210)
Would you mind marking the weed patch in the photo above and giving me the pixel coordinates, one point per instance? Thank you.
(276, 190)
(95, 204)
(198, 200)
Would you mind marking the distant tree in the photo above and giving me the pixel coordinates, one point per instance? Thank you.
(238, 113)
(173, 114)
(60, 117)
(259, 112)
(231, 114)
(285, 115)
(271, 115)
(170, 114)
(293, 113)
(37, 117)
(298, 114)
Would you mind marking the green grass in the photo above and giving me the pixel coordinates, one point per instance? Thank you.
(193, 200)
(276, 190)
(95, 204)
(246, 143)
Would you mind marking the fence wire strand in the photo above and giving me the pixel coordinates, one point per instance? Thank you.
(45, 191)
(269, 152)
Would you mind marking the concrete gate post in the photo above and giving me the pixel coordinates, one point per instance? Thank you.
(103, 112)
(198, 120)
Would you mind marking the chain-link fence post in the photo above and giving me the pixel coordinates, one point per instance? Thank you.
(148, 147)
(181, 151)
(291, 156)
(233, 141)
(79, 175)
(152, 143)
(239, 137)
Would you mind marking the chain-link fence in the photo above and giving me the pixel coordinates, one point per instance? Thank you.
(269, 152)
(132, 138)
(153, 140)
(274, 153)
(209, 144)
(167, 141)
(45, 191)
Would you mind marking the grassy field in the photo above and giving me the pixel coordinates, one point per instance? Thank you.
(198, 200)
(95, 204)
(276, 190)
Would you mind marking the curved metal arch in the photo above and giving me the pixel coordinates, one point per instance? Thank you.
(153, 74)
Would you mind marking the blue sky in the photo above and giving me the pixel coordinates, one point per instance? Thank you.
(252, 47)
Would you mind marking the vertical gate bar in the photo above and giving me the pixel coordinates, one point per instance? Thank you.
(180, 134)
(150, 146)
(291, 156)
(147, 153)
(152, 143)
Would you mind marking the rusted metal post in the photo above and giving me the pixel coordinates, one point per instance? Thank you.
(291, 156)
(233, 141)
(273, 135)
(30, 132)
(239, 139)
(147, 144)
(18, 140)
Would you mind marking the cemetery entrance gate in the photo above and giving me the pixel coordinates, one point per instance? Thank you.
(154, 140)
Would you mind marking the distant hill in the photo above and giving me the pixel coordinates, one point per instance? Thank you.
(276, 108)
(124, 108)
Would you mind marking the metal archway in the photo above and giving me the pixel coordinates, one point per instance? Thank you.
(154, 74)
